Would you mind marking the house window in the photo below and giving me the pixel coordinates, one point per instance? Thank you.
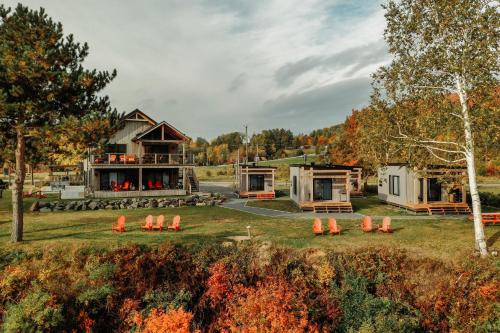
(394, 185)
(116, 148)
(294, 185)
(257, 183)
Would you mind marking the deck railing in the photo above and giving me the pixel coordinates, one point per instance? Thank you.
(130, 159)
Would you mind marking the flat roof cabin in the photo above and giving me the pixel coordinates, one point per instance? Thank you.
(321, 188)
(144, 158)
(255, 181)
(424, 191)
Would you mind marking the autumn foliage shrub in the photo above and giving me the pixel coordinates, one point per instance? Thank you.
(248, 288)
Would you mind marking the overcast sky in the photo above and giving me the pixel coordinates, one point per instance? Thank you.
(209, 67)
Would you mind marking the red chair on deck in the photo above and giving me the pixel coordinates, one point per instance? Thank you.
(126, 186)
(158, 185)
(150, 185)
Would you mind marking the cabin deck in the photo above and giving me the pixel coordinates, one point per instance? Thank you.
(356, 194)
(440, 208)
(258, 195)
(327, 207)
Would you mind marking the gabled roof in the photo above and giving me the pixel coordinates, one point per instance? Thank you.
(178, 134)
(138, 115)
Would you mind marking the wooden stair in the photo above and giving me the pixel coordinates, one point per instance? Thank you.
(258, 195)
(327, 207)
(448, 208)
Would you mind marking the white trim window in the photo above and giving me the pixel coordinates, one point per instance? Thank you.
(394, 185)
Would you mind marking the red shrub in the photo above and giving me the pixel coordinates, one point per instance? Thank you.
(172, 321)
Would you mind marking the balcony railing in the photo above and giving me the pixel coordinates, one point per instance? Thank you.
(130, 159)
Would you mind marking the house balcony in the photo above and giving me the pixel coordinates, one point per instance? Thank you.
(120, 160)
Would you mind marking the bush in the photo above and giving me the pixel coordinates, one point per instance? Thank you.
(487, 199)
(37, 312)
(244, 288)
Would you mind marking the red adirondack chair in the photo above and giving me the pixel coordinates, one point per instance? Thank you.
(317, 227)
(367, 225)
(159, 223)
(386, 225)
(119, 226)
(150, 185)
(149, 224)
(126, 185)
(176, 224)
(334, 228)
(158, 185)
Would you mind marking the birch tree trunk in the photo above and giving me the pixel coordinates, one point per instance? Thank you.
(471, 171)
(17, 191)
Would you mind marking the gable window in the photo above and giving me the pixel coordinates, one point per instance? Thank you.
(294, 185)
(394, 185)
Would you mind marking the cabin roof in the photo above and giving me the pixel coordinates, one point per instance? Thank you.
(181, 136)
(138, 115)
(252, 166)
(430, 167)
(326, 166)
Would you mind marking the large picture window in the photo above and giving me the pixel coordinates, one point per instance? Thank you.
(257, 183)
(322, 189)
(394, 185)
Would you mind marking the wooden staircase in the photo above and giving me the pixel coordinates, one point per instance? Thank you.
(193, 181)
(449, 208)
(440, 208)
(327, 207)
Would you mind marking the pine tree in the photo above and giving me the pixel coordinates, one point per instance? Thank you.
(42, 86)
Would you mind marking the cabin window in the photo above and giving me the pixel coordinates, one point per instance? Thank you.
(322, 189)
(256, 182)
(294, 185)
(394, 185)
(115, 148)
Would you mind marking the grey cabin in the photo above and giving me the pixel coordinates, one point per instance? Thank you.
(435, 190)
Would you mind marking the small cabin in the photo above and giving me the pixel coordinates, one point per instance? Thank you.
(255, 181)
(435, 190)
(321, 188)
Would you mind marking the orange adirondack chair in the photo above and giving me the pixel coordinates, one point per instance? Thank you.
(119, 226)
(112, 158)
(149, 224)
(176, 224)
(317, 227)
(159, 223)
(386, 225)
(367, 225)
(126, 185)
(334, 228)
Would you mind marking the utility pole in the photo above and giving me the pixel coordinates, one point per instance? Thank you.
(246, 144)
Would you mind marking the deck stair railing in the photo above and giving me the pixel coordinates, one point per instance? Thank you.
(121, 158)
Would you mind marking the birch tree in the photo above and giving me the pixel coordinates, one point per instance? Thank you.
(42, 86)
(445, 65)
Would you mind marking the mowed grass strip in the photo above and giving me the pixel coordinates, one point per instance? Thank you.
(447, 239)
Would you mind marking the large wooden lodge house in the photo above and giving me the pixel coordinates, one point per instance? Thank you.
(144, 158)
(436, 190)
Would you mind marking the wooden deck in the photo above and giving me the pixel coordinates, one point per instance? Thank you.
(327, 207)
(258, 195)
(132, 194)
(356, 194)
(440, 208)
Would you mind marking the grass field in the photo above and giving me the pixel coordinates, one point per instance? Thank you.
(285, 205)
(445, 239)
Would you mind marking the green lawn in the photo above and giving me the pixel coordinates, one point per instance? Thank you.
(446, 239)
(285, 205)
(371, 205)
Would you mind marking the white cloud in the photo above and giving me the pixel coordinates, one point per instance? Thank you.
(210, 66)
